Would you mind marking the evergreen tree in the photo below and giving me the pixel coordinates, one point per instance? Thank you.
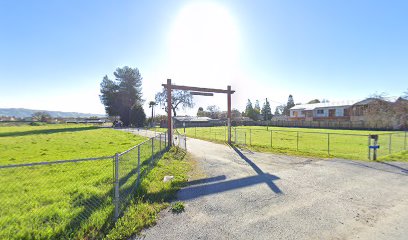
(120, 96)
(249, 110)
(257, 110)
(257, 106)
(266, 111)
(289, 105)
(137, 116)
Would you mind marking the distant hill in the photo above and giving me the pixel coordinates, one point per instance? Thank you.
(23, 112)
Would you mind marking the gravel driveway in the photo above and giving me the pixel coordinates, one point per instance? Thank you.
(249, 195)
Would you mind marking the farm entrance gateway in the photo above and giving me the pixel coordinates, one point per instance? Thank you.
(196, 91)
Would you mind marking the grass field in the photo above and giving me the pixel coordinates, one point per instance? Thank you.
(349, 144)
(63, 201)
(24, 144)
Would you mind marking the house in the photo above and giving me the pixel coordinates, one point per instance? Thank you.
(351, 110)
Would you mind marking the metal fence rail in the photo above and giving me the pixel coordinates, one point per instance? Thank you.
(70, 194)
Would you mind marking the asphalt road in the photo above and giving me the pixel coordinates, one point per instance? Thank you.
(249, 195)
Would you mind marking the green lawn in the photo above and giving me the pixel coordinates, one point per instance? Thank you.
(62, 201)
(24, 144)
(401, 156)
(349, 144)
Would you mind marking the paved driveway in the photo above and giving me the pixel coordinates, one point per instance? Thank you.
(249, 195)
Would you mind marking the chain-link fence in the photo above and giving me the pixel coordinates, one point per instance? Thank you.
(315, 143)
(72, 198)
(238, 136)
(354, 146)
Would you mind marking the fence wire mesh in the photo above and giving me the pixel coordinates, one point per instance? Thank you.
(60, 199)
(134, 165)
(238, 136)
(65, 198)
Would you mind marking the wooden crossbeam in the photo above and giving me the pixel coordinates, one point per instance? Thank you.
(198, 89)
(202, 93)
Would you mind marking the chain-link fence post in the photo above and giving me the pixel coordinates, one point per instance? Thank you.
(389, 144)
(368, 146)
(116, 215)
(225, 133)
(165, 140)
(328, 144)
(152, 150)
(297, 141)
(160, 142)
(250, 137)
(185, 142)
(138, 165)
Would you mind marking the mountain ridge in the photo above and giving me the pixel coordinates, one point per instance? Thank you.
(25, 112)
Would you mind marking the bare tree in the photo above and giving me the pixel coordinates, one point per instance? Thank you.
(384, 113)
(178, 98)
(279, 109)
(214, 111)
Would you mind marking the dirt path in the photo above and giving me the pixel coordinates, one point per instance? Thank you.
(265, 196)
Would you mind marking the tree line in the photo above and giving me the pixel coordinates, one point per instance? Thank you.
(122, 97)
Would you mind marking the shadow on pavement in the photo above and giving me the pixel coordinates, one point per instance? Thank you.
(206, 180)
(379, 166)
(216, 184)
(259, 171)
(404, 170)
(213, 188)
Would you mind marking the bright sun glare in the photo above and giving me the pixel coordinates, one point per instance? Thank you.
(203, 43)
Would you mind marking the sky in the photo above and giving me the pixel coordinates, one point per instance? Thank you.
(54, 54)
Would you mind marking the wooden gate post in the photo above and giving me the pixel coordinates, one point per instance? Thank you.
(229, 113)
(169, 123)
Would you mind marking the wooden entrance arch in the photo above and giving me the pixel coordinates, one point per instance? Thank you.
(197, 91)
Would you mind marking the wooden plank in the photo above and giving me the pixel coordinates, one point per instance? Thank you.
(202, 93)
(198, 89)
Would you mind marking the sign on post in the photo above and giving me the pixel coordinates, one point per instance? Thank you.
(374, 147)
